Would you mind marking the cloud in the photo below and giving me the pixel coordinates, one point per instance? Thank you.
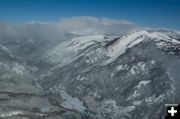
(25, 31)
(92, 25)
(54, 31)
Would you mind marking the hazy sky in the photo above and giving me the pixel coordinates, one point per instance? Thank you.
(151, 13)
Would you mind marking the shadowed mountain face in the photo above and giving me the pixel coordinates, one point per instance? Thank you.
(128, 76)
(20, 95)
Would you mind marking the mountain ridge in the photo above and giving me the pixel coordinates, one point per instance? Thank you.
(129, 76)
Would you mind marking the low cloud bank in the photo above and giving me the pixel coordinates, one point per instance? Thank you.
(83, 25)
(91, 25)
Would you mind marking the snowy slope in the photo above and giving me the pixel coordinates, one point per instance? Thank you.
(128, 41)
(127, 76)
(65, 52)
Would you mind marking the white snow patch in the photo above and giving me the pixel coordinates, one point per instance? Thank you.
(130, 108)
(133, 43)
(152, 62)
(175, 41)
(154, 99)
(72, 102)
(133, 70)
(10, 114)
(142, 65)
(5, 49)
(137, 87)
(17, 68)
(143, 83)
(112, 74)
(134, 95)
(84, 41)
(119, 67)
(81, 78)
(137, 102)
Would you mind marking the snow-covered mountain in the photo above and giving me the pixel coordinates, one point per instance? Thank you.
(130, 76)
(110, 47)
(116, 77)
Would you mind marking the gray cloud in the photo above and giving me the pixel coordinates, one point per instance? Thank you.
(25, 31)
(33, 38)
(55, 30)
(92, 25)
